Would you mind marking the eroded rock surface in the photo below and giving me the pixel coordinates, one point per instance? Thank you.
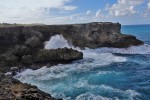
(21, 44)
(91, 35)
(12, 89)
(63, 54)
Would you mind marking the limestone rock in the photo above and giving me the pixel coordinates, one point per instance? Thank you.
(33, 42)
(27, 59)
(12, 89)
(11, 59)
(21, 50)
(28, 33)
(63, 54)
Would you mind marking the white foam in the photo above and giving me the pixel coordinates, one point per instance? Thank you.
(90, 96)
(142, 49)
(129, 94)
(108, 72)
(63, 70)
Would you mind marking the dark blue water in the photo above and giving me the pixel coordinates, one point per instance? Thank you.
(103, 74)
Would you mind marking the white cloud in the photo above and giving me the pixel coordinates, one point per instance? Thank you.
(88, 12)
(33, 11)
(98, 13)
(148, 5)
(124, 7)
(69, 7)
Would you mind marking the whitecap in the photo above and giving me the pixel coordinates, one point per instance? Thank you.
(100, 89)
(90, 96)
(142, 49)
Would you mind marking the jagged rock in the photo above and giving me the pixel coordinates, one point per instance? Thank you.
(12, 89)
(28, 33)
(33, 42)
(91, 35)
(10, 59)
(32, 37)
(27, 59)
(21, 50)
(9, 36)
(94, 35)
(14, 68)
(63, 54)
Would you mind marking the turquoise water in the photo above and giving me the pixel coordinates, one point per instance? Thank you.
(103, 74)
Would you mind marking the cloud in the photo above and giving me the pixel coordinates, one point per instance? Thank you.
(98, 13)
(124, 7)
(33, 11)
(88, 12)
(148, 5)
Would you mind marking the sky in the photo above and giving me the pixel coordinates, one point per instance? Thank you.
(125, 12)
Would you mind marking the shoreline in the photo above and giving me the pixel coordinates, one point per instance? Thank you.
(24, 45)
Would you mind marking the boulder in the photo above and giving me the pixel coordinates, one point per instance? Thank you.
(63, 54)
(21, 50)
(11, 59)
(33, 42)
(14, 70)
(9, 36)
(27, 59)
(28, 33)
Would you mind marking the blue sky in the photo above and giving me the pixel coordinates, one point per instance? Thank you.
(75, 11)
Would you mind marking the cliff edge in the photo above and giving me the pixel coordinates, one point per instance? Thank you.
(91, 35)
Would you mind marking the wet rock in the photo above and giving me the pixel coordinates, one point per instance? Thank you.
(12, 89)
(63, 54)
(33, 42)
(14, 70)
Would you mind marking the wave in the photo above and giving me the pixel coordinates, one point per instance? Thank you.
(142, 49)
(90, 61)
(90, 96)
(112, 93)
(62, 87)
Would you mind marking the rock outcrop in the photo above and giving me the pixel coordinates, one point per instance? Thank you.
(63, 54)
(12, 89)
(91, 35)
(20, 56)
(21, 44)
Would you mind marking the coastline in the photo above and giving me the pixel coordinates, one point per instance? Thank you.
(22, 44)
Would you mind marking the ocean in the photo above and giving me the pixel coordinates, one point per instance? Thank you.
(103, 74)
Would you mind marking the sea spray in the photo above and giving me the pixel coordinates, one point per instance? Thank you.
(57, 41)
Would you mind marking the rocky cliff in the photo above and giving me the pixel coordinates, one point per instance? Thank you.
(90, 35)
(21, 43)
